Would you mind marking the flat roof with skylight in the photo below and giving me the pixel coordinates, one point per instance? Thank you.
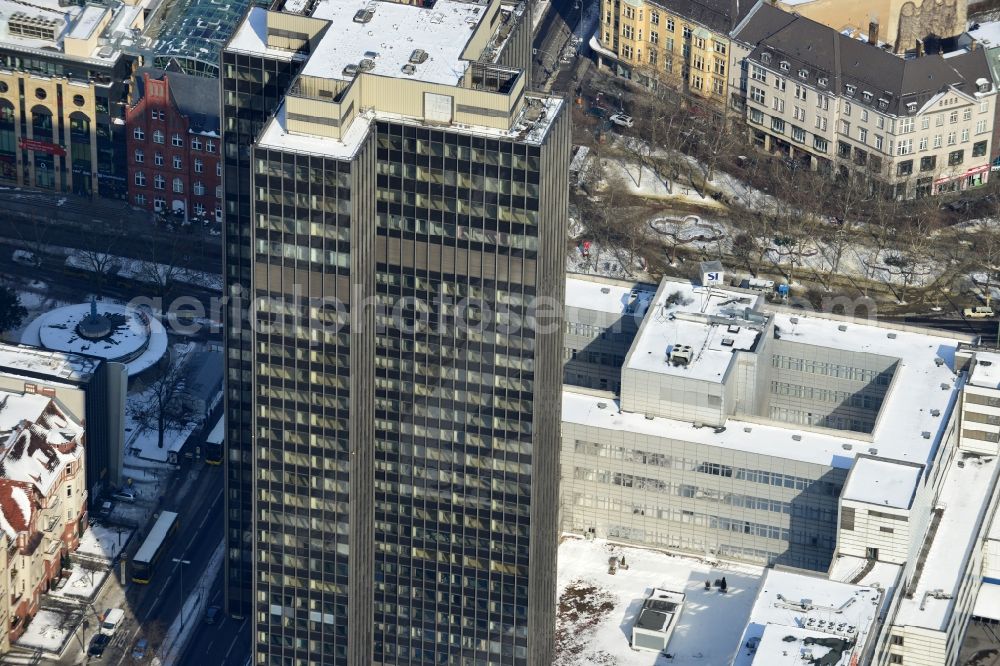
(388, 34)
(693, 331)
(798, 617)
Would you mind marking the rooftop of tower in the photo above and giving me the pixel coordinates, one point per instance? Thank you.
(369, 60)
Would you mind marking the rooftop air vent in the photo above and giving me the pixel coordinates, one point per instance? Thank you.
(680, 354)
(945, 387)
(926, 434)
(938, 361)
(796, 438)
(794, 320)
(747, 429)
(371, 54)
(364, 15)
(873, 451)
(649, 417)
(733, 328)
(409, 69)
(351, 70)
(842, 327)
(605, 290)
(935, 412)
(602, 405)
(418, 56)
(986, 364)
(891, 336)
(366, 64)
(728, 342)
(847, 447)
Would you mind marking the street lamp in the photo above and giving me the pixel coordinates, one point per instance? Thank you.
(182, 562)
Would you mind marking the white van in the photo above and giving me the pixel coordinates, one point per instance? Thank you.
(111, 620)
(980, 312)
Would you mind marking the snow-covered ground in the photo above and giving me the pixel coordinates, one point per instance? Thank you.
(644, 181)
(143, 271)
(83, 583)
(143, 443)
(597, 609)
(48, 631)
(102, 542)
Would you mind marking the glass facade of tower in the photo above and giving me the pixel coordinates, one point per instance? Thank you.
(252, 87)
(392, 408)
(457, 240)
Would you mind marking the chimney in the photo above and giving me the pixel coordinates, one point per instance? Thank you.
(920, 47)
(873, 32)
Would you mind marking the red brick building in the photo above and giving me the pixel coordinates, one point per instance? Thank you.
(173, 139)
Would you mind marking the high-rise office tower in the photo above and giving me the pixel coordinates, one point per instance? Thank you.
(396, 202)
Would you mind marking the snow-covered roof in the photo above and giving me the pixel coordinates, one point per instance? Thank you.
(58, 365)
(610, 296)
(64, 21)
(251, 37)
(38, 440)
(965, 495)
(883, 482)
(986, 371)
(710, 320)
(394, 31)
(924, 386)
(807, 608)
(988, 602)
(987, 32)
(861, 571)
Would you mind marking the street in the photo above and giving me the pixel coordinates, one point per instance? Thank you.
(225, 643)
(552, 34)
(155, 606)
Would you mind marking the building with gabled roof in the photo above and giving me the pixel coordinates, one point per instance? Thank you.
(839, 101)
(43, 501)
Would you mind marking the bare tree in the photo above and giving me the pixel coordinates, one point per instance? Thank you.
(604, 223)
(162, 406)
(98, 256)
(163, 266)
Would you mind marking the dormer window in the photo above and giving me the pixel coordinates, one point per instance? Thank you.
(803, 73)
(765, 58)
(823, 82)
(849, 89)
(785, 66)
(867, 96)
(883, 104)
(911, 107)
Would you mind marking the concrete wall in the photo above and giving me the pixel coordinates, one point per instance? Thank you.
(864, 526)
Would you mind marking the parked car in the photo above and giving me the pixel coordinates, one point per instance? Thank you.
(212, 614)
(106, 508)
(124, 495)
(140, 649)
(98, 644)
(981, 312)
(622, 120)
(111, 620)
(26, 258)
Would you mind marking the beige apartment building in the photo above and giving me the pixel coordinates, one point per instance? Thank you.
(920, 125)
(897, 23)
(43, 501)
(678, 43)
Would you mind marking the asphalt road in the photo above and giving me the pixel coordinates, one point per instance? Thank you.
(225, 643)
(552, 34)
(156, 604)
